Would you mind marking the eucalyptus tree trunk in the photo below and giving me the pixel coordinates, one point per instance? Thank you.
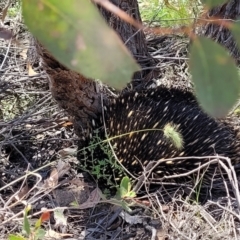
(133, 38)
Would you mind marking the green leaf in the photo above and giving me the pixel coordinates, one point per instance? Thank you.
(131, 194)
(124, 190)
(26, 225)
(78, 36)
(120, 203)
(235, 29)
(38, 223)
(40, 233)
(125, 186)
(215, 77)
(15, 237)
(74, 204)
(213, 3)
(126, 207)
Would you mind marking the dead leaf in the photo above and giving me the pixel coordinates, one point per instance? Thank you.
(62, 168)
(78, 182)
(45, 216)
(22, 193)
(52, 181)
(67, 124)
(131, 219)
(68, 152)
(161, 234)
(93, 199)
(51, 234)
(59, 217)
(31, 72)
(71, 195)
(23, 53)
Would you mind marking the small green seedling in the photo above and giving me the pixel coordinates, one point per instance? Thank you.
(124, 191)
(31, 233)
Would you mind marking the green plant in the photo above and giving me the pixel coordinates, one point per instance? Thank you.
(14, 105)
(100, 168)
(168, 13)
(124, 191)
(31, 233)
(12, 12)
(124, 194)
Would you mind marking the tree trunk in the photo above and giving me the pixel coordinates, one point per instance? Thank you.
(80, 96)
(133, 38)
(230, 10)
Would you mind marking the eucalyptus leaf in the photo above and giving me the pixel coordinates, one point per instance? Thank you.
(78, 37)
(215, 77)
(213, 3)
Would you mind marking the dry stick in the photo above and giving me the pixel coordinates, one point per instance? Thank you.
(207, 217)
(21, 119)
(9, 207)
(30, 113)
(214, 160)
(173, 58)
(71, 208)
(24, 158)
(19, 214)
(144, 175)
(5, 58)
(211, 185)
(234, 228)
(170, 222)
(32, 200)
(15, 194)
(25, 203)
(4, 11)
(27, 174)
(129, 39)
(119, 12)
(233, 180)
(199, 210)
(228, 194)
(41, 190)
(226, 209)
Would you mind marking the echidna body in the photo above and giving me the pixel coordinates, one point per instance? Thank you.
(136, 122)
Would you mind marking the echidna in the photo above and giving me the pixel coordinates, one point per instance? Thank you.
(139, 126)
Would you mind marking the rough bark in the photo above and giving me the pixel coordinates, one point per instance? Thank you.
(133, 38)
(76, 94)
(230, 10)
